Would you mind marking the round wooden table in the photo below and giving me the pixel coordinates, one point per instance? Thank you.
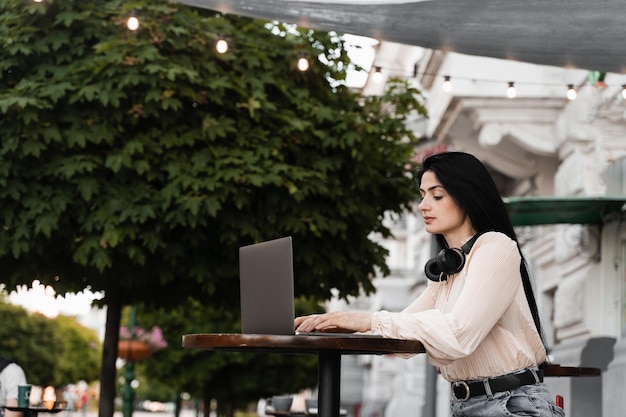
(329, 349)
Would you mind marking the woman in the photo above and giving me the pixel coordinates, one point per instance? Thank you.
(477, 318)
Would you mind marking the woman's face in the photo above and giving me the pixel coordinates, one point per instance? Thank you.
(442, 215)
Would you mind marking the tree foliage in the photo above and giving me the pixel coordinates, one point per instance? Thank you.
(81, 349)
(51, 351)
(145, 158)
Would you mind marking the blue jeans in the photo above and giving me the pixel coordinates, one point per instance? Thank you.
(530, 400)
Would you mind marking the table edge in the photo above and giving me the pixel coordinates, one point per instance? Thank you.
(300, 343)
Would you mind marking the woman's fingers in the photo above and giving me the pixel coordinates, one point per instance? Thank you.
(311, 323)
(305, 323)
(335, 321)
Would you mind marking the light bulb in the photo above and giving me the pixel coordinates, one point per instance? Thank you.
(221, 46)
(378, 75)
(624, 91)
(447, 84)
(38, 1)
(511, 92)
(571, 92)
(303, 63)
(132, 23)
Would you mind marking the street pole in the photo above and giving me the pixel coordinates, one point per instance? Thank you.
(128, 392)
(430, 402)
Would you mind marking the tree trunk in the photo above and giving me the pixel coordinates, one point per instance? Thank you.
(109, 354)
(229, 410)
(177, 404)
(225, 409)
(206, 405)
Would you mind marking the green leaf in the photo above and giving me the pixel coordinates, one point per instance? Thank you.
(66, 18)
(32, 147)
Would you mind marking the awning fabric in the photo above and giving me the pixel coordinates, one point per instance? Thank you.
(573, 34)
(531, 211)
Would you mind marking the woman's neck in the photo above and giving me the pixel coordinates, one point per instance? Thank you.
(459, 238)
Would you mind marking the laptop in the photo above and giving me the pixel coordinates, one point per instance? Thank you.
(266, 287)
(267, 290)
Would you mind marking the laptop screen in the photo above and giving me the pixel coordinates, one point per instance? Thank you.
(266, 287)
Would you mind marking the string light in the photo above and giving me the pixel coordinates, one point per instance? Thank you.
(571, 92)
(132, 23)
(221, 46)
(511, 92)
(303, 63)
(447, 84)
(378, 75)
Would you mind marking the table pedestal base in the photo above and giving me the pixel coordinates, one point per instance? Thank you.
(329, 392)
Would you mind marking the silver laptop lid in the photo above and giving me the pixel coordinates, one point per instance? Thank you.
(266, 287)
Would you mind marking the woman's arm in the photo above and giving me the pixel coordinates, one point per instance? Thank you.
(348, 322)
(12, 402)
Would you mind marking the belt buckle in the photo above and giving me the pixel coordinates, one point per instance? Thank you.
(463, 384)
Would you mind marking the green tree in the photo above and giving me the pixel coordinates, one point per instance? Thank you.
(51, 351)
(82, 351)
(135, 163)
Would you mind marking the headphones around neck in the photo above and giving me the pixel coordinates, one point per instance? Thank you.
(448, 261)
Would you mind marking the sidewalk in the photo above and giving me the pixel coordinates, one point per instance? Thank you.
(183, 413)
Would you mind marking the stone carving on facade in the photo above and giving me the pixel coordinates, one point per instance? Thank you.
(575, 241)
(607, 104)
(568, 300)
(531, 137)
(569, 176)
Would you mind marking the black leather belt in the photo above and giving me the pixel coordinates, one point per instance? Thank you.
(463, 391)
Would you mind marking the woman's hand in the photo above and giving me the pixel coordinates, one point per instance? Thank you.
(338, 322)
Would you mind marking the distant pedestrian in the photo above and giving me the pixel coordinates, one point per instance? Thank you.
(84, 403)
(70, 397)
(11, 377)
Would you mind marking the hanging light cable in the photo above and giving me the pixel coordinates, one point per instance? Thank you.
(571, 92)
(447, 84)
(303, 63)
(511, 89)
(221, 46)
(511, 92)
(133, 22)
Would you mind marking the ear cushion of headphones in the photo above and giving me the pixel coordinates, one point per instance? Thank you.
(447, 262)
(451, 260)
(433, 271)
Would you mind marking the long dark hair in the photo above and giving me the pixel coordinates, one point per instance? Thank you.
(470, 184)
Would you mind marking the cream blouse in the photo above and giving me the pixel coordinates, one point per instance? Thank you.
(478, 323)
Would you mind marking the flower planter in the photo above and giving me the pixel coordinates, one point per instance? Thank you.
(133, 350)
